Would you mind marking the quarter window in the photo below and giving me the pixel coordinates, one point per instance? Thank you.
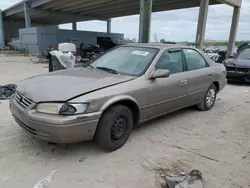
(171, 60)
(194, 59)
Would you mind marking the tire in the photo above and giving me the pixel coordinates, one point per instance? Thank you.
(114, 128)
(206, 105)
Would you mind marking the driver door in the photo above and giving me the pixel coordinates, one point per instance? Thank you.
(167, 94)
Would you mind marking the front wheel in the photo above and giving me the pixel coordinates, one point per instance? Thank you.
(114, 127)
(209, 99)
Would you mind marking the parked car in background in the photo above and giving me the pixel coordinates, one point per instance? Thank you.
(128, 85)
(238, 67)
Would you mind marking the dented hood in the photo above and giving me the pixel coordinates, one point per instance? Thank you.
(66, 84)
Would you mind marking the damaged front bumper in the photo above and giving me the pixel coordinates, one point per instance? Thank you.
(54, 128)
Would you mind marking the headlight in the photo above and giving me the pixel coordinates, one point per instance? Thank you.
(62, 108)
(49, 108)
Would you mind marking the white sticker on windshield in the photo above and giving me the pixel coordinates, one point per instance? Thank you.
(142, 53)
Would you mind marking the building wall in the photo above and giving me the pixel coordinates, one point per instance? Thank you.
(11, 29)
(35, 39)
(29, 40)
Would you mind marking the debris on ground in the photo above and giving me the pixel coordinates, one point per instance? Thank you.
(44, 183)
(191, 180)
(244, 157)
(6, 91)
(82, 159)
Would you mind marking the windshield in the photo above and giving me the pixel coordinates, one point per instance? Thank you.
(126, 60)
(244, 54)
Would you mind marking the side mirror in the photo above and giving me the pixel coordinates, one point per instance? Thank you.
(160, 73)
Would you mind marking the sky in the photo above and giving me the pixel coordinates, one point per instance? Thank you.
(176, 25)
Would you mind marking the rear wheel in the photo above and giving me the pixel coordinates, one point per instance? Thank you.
(114, 128)
(209, 98)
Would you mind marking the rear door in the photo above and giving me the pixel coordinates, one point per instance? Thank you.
(199, 75)
(167, 94)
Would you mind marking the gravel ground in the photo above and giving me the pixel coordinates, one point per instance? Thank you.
(216, 142)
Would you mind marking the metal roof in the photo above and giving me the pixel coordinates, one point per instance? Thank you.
(65, 11)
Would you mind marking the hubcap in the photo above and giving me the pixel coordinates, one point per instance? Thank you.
(118, 128)
(210, 98)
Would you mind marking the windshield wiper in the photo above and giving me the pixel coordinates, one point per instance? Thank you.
(108, 70)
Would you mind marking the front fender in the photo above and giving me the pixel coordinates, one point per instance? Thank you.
(118, 99)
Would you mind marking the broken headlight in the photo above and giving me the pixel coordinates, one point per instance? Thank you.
(62, 108)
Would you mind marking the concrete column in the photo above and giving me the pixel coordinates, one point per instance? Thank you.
(202, 22)
(74, 26)
(27, 13)
(233, 32)
(145, 20)
(2, 38)
(141, 20)
(109, 26)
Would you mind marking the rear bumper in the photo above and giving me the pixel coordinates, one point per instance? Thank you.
(238, 76)
(55, 128)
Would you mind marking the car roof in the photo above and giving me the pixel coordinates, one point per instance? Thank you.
(157, 45)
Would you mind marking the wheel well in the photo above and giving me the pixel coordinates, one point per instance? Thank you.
(132, 106)
(217, 85)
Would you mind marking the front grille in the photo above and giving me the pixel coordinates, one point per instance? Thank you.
(22, 100)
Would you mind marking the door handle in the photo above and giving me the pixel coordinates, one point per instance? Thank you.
(210, 75)
(183, 82)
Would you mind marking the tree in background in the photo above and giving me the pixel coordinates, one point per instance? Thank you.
(162, 41)
(128, 40)
(168, 42)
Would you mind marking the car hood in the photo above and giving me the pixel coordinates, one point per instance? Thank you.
(66, 84)
(238, 62)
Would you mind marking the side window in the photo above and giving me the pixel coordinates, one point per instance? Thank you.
(171, 60)
(194, 59)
